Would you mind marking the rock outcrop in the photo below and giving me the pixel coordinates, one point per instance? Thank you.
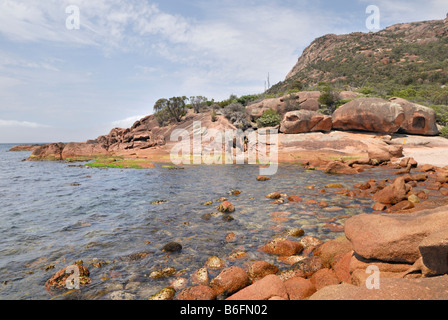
(369, 114)
(394, 238)
(418, 119)
(303, 121)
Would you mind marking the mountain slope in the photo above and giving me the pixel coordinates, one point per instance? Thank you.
(398, 56)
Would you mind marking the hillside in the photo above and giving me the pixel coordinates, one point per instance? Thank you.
(410, 55)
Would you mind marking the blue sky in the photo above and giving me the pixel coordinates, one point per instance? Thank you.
(67, 85)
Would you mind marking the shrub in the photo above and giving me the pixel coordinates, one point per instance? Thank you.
(444, 132)
(270, 118)
(170, 109)
(237, 115)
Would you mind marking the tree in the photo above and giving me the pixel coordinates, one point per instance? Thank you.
(329, 98)
(198, 102)
(175, 107)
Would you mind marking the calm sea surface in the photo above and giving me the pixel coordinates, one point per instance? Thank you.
(55, 213)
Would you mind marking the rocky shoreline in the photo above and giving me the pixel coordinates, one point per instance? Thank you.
(404, 240)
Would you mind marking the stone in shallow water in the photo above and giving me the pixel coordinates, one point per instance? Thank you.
(172, 247)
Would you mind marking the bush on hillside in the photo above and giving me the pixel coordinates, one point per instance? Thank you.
(270, 118)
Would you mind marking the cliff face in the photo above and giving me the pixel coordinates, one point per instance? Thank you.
(402, 53)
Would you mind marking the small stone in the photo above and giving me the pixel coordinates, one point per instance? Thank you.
(295, 232)
(263, 178)
(413, 198)
(164, 294)
(215, 263)
(294, 198)
(274, 195)
(226, 207)
(172, 247)
(208, 203)
(334, 185)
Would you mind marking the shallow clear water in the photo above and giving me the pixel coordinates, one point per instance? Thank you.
(55, 213)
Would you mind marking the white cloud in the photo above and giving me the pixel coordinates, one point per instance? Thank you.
(126, 123)
(26, 124)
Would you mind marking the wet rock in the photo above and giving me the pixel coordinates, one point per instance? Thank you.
(414, 198)
(208, 203)
(295, 232)
(393, 193)
(163, 273)
(263, 178)
(334, 185)
(200, 277)
(214, 263)
(228, 218)
(282, 247)
(164, 294)
(200, 292)
(264, 289)
(234, 192)
(226, 207)
(379, 206)
(260, 269)
(336, 167)
(172, 247)
(419, 177)
(229, 281)
(239, 255)
(122, 295)
(294, 198)
(179, 283)
(408, 161)
(299, 288)
(309, 241)
(59, 279)
(427, 168)
(274, 195)
(401, 206)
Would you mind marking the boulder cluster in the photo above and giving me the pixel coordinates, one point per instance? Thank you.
(365, 114)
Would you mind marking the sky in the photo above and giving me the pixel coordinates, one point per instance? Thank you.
(71, 70)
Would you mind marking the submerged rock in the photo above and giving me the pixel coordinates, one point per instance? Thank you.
(164, 294)
(172, 247)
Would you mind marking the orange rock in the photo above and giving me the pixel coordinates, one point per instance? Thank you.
(299, 288)
(324, 278)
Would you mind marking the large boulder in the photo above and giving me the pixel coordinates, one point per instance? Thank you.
(264, 289)
(307, 100)
(419, 119)
(73, 150)
(394, 193)
(52, 151)
(394, 237)
(303, 121)
(369, 114)
(390, 289)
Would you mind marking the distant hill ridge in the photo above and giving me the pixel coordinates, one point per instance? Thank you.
(400, 55)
